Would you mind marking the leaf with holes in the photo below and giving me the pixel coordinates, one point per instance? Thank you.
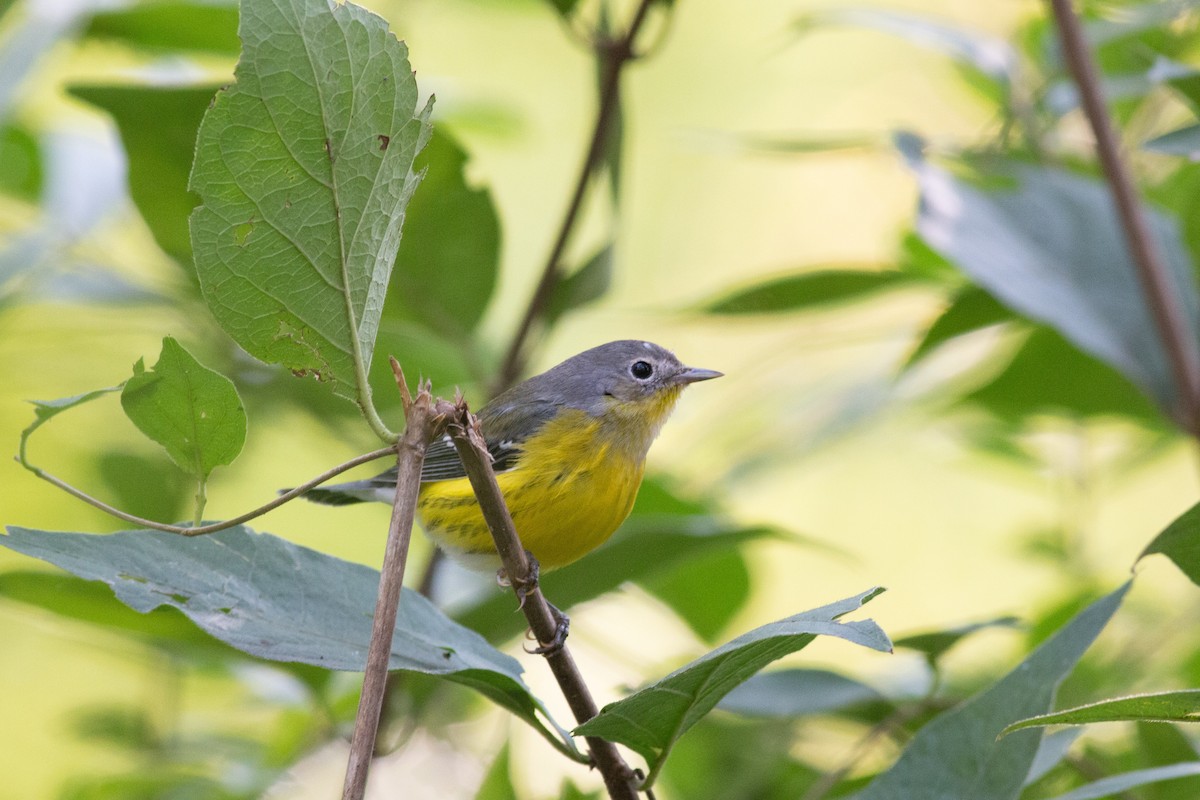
(276, 600)
(304, 169)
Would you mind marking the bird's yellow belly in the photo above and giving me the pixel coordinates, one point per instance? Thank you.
(566, 496)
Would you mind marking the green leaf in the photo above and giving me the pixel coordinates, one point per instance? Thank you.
(192, 411)
(935, 643)
(144, 486)
(956, 755)
(1180, 542)
(652, 719)
(1047, 243)
(1183, 142)
(170, 25)
(971, 309)
(243, 588)
(706, 591)
(497, 783)
(304, 169)
(1047, 375)
(158, 128)
(1117, 784)
(585, 285)
(794, 693)
(807, 290)
(446, 267)
(1176, 706)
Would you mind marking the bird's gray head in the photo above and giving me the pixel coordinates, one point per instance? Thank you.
(618, 375)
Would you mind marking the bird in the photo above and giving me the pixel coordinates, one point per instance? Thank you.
(569, 450)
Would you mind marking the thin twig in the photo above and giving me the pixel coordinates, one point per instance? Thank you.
(472, 450)
(614, 55)
(1181, 346)
(422, 425)
(288, 496)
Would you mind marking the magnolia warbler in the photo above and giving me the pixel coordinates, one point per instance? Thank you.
(569, 449)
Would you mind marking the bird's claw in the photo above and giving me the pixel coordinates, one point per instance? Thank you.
(562, 625)
(522, 586)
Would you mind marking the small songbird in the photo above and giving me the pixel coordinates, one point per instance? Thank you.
(569, 450)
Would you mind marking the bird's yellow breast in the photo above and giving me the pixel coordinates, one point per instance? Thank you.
(572, 486)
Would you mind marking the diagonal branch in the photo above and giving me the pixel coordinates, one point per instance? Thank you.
(1173, 328)
(620, 780)
(423, 423)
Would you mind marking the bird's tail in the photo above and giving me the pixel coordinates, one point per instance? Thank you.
(381, 488)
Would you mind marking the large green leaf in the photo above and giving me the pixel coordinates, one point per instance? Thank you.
(192, 411)
(1180, 542)
(91, 602)
(276, 600)
(1177, 706)
(1047, 375)
(1047, 243)
(158, 127)
(446, 268)
(706, 591)
(652, 719)
(957, 756)
(304, 169)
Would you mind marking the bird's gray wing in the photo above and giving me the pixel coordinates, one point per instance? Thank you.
(505, 428)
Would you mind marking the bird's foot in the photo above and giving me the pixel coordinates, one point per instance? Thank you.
(525, 587)
(562, 625)
(522, 586)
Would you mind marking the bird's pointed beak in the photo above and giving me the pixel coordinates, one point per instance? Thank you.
(694, 374)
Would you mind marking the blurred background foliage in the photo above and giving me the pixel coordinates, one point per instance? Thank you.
(825, 202)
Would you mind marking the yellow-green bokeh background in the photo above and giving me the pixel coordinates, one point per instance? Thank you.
(912, 507)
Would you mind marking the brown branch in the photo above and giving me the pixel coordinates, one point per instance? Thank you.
(422, 425)
(288, 496)
(1177, 338)
(620, 780)
(614, 54)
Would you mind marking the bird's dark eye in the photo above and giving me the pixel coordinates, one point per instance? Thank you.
(641, 370)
